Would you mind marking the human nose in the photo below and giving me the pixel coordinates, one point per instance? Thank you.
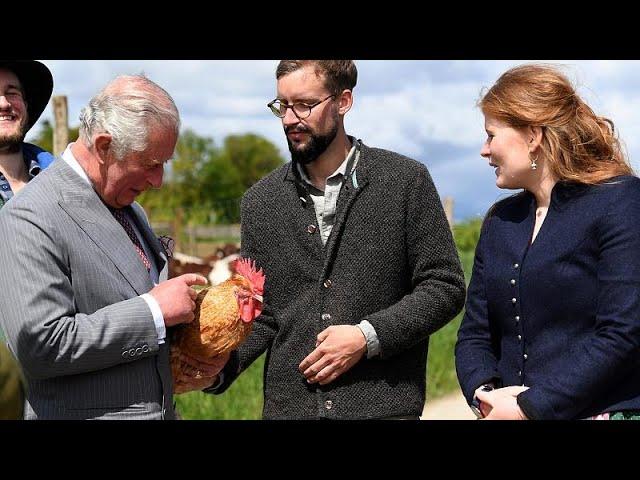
(485, 151)
(4, 103)
(290, 117)
(155, 179)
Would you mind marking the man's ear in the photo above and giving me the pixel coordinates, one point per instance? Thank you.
(345, 101)
(102, 142)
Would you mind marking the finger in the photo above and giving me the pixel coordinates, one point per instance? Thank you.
(485, 396)
(317, 367)
(193, 279)
(192, 294)
(312, 358)
(322, 336)
(514, 390)
(328, 375)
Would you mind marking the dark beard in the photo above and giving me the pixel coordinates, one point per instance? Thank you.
(316, 146)
(13, 143)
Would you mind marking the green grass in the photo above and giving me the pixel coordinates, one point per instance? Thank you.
(441, 371)
(242, 401)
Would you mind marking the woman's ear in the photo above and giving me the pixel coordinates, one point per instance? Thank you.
(535, 138)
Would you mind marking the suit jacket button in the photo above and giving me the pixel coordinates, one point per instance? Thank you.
(327, 283)
(328, 404)
(132, 352)
(125, 354)
(145, 349)
(139, 351)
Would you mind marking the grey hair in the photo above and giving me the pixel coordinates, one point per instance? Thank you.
(125, 108)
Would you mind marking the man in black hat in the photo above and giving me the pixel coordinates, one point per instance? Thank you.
(25, 89)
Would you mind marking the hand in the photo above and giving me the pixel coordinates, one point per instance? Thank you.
(338, 348)
(484, 407)
(177, 299)
(197, 373)
(501, 403)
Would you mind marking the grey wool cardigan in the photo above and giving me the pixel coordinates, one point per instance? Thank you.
(390, 259)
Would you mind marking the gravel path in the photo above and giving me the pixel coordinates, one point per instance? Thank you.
(450, 407)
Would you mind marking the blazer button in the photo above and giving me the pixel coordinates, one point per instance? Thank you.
(512, 281)
(145, 349)
(311, 229)
(513, 300)
(132, 352)
(327, 283)
(525, 356)
(125, 354)
(517, 318)
(519, 338)
(519, 373)
(328, 404)
(139, 351)
(515, 265)
(326, 317)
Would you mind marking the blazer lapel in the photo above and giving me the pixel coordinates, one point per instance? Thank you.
(84, 207)
(152, 241)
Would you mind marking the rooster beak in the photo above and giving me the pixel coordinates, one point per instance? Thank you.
(257, 297)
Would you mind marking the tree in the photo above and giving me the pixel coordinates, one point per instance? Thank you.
(252, 155)
(44, 139)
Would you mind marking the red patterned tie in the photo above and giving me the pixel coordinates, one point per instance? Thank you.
(122, 219)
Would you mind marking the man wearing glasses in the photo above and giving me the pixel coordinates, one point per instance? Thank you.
(360, 263)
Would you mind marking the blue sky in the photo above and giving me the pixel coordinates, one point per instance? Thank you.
(424, 109)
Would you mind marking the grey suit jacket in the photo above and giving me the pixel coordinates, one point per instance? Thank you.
(70, 305)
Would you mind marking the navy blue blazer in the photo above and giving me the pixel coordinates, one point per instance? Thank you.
(562, 315)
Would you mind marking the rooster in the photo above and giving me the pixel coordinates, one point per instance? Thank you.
(224, 316)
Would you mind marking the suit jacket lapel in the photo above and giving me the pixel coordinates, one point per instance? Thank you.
(86, 209)
(152, 241)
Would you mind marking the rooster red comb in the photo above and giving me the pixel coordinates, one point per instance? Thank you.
(246, 268)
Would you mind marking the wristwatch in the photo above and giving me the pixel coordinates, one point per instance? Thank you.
(475, 403)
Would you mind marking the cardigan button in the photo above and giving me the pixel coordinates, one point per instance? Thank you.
(326, 317)
(326, 283)
(328, 404)
(311, 229)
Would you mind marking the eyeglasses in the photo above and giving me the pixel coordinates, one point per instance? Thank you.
(13, 95)
(301, 110)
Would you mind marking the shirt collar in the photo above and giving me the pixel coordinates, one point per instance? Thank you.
(68, 157)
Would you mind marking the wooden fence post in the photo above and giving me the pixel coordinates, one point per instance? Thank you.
(448, 210)
(61, 124)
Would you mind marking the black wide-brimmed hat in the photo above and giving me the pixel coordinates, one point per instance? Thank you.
(37, 82)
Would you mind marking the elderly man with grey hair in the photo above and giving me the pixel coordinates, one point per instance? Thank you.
(85, 302)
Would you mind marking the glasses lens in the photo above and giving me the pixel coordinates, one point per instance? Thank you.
(301, 110)
(277, 109)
